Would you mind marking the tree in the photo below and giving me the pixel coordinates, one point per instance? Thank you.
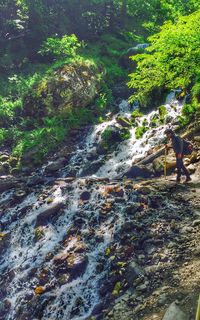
(172, 60)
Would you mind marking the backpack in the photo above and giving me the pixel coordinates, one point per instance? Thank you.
(187, 147)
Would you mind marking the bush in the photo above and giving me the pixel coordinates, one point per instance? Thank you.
(8, 110)
(60, 47)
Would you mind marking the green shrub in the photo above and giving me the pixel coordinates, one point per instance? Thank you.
(189, 110)
(8, 109)
(60, 47)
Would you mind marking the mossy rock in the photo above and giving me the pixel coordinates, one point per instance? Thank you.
(70, 86)
(13, 162)
(4, 157)
(39, 233)
(124, 122)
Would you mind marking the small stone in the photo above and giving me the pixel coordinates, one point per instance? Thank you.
(191, 168)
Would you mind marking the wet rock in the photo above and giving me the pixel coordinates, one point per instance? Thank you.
(51, 212)
(92, 155)
(29, 295)
(6, 184)
(126, 228)
(34, 308)
(133, 208)
(85, 196)
(174, 312)
(155, 201)
(145, 190)
(18, 195)
(73, 264)
(91, 168)
(5, 306)
(138, 171)
(56, 165)
(35, 180)
(77, 264)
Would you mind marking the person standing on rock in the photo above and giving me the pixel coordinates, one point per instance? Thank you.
(177, 144)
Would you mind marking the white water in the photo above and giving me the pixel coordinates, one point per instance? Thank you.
(25, 254)
(131, 150)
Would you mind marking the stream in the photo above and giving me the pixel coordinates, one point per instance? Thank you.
(55, 235)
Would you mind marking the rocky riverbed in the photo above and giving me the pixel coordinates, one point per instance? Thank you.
(124, 249)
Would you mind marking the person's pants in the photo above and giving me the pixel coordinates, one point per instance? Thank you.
(181, 167)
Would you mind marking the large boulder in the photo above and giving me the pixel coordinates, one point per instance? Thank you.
(70, 86)
(139, 171)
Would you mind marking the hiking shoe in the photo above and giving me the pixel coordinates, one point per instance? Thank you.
(188, 179)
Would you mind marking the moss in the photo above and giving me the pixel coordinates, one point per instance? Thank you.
(39, 233)
(140, 131)
(113, 135)
(162, 112)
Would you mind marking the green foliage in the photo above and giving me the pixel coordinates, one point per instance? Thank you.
(111, 136)
(162, 112)
(188, 113)
(136, 114)
(140, 131)
(54, 130)
(196, 91)
(171, 60)
(125, 134)
(8, 109)
(101, 102)
(104, 99)
(60, 47)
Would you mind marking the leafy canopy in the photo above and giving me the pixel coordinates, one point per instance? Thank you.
(172, 60)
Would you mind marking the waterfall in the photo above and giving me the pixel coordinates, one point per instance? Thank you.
(53, 260)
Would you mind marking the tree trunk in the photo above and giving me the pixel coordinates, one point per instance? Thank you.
(123, 12)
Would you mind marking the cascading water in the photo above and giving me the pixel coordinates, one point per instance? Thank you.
(129, 151)
(53, 260)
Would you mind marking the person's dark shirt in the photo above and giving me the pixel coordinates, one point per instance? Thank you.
(177, 144)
